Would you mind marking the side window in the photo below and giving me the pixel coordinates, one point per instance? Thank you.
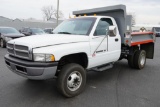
(103, 24)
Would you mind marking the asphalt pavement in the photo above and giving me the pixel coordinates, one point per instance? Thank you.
(120, 86)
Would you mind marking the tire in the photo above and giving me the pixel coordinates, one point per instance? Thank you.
(71, 80)
(131, 57)
(131, 61)
(140, 59)
(2, 43)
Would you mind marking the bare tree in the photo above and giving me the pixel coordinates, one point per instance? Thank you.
(60, 14)
(133, 18)
(50, 12)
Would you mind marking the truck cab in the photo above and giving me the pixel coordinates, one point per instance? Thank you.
(100, 43)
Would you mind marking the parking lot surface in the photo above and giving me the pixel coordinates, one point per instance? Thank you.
(120, 86)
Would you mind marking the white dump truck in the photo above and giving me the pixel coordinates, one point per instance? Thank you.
(93, 41)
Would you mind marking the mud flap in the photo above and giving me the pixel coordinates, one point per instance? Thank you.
(149, 48)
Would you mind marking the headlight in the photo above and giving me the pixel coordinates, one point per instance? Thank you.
(44, 57)
(8, 39)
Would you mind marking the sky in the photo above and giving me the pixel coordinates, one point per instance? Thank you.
(146, 11)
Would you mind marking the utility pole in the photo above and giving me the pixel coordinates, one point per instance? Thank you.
(57, 11)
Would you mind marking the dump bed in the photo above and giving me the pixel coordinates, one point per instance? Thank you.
(118, 12)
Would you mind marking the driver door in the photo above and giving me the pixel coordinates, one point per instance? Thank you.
(99, 43)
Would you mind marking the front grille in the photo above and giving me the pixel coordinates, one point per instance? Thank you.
(21, 47)
(10, 45)
(11, 51)
(26, 55)
(20, 51)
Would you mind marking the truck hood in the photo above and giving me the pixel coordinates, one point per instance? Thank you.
(49, 39)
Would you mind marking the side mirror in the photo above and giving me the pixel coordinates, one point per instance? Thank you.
(112, 31)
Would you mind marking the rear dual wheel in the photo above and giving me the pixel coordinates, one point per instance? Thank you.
(137, 60)
(140, 59)
(130, 60)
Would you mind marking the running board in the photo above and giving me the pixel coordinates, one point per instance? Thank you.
(102, 67)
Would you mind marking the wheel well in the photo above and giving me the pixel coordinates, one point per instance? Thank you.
(127, 51)
(79, 58)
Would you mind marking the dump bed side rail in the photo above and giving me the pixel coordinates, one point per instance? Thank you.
(138, 38)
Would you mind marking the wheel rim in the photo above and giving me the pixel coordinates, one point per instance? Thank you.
(142, 60)
(74, 81)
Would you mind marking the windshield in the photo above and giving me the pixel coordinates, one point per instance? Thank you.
(77, 26)
(37, 30)
(8, 30)
(157, 29)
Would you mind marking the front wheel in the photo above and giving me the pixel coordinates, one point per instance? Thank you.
(71, 80)
(140, 59)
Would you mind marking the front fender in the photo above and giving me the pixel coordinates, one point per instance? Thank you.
(64, 49)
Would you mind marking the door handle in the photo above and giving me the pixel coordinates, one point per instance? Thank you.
(116, 39)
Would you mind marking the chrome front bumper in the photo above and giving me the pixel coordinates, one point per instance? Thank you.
(31, 70)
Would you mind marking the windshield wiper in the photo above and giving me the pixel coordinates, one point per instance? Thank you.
(64, 33)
